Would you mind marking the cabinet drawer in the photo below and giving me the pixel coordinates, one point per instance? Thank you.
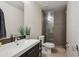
(33, 52)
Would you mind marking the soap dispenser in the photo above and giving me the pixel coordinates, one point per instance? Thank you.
(11, 38)
(0, 43)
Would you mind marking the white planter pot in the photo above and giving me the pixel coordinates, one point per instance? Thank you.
(27, 36)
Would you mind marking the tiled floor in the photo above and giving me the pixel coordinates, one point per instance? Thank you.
(56, 52)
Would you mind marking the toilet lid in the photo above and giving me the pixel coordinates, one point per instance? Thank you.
(49, 45)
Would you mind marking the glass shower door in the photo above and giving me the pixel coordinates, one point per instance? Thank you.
(49, 26)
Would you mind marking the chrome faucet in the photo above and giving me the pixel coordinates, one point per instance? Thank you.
(16, 39)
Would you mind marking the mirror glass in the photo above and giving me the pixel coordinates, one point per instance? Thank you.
(11, 18)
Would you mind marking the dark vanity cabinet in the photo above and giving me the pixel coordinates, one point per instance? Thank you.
(33, 52)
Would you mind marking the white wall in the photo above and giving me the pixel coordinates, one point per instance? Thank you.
(72, 27)
(14, 18)
(33, 18)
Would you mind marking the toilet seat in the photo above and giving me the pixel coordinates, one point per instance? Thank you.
(49, 45)
(46, 44)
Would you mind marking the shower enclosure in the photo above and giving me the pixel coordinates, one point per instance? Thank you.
(48, 25)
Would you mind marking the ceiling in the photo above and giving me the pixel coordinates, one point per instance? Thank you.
(45, 5)
(17, 4)
(48, 5)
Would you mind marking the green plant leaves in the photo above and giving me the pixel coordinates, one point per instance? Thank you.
(21, 31)
(27, 31)
(24, 31)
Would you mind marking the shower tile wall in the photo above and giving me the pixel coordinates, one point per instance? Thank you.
(60, 27)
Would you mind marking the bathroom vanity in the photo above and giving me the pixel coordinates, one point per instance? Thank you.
(21, 48)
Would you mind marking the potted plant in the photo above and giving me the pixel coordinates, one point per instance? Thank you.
(27, 32)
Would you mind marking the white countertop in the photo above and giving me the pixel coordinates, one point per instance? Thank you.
(12, 50)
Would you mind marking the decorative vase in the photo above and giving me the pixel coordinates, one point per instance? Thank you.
(27, 36)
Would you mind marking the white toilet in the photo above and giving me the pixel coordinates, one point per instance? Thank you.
(47, 46)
